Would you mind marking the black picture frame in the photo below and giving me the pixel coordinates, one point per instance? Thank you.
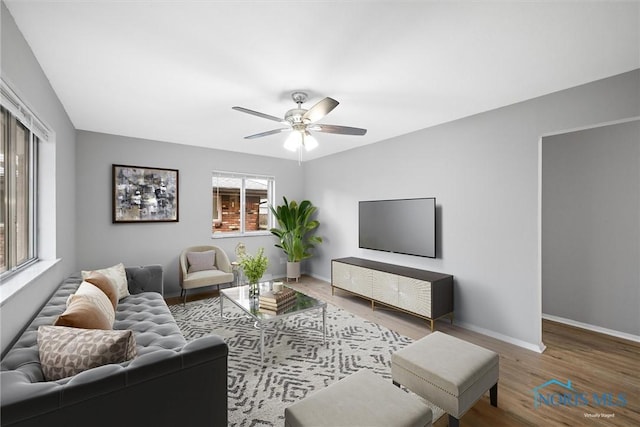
(144, 194)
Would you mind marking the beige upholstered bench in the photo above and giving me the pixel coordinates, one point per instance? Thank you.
(361, 399)
(448, 372)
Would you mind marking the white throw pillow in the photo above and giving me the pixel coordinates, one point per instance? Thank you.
(117, 275)
(201, 261)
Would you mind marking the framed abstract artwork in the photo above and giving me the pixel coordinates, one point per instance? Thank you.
(144, 194)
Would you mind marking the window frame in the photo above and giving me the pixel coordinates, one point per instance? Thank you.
(216, 206)
(15, 119)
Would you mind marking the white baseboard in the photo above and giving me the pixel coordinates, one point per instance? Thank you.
(315, 276)
(592, 328)
(538, 348)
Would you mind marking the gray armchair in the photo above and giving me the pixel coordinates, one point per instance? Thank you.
(203, 266)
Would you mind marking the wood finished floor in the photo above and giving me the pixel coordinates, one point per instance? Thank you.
(595, 363)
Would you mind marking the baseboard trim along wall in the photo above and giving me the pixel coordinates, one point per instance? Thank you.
(538, 348)
(319, 277)
(592, 328)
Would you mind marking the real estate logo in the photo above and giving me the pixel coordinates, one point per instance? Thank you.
(569, 396)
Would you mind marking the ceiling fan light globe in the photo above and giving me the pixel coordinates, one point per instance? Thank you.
(293, 141)
(310, 142)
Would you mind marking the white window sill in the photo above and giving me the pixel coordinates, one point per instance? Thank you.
(18, 281)
(229, 234)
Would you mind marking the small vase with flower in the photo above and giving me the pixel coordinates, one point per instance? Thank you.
(254, 267)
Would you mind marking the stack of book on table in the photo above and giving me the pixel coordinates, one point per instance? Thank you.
(276, 302)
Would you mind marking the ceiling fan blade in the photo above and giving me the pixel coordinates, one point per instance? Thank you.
(259, 114)
(320, 110)
(343, 130)
(267, 133)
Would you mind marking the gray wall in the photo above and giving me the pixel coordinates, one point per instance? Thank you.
(591, 226)
(483, 170)
(102, 243)
(22, 71)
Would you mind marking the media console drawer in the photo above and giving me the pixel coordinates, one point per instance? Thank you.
(424, 293)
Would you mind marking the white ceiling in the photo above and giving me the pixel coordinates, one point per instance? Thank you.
(172, 70)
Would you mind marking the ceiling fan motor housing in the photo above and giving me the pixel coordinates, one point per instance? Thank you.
(294, 116)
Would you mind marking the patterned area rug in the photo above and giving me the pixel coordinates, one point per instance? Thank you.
(297, 363)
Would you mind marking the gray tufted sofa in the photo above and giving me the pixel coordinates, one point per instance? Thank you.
(169, 383)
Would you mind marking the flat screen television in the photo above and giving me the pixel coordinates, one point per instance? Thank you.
(404, 226)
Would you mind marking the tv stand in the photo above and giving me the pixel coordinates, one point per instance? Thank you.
(423, 293)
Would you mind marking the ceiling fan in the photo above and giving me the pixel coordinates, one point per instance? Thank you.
(303, 121)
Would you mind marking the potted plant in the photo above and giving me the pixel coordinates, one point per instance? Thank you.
(253, 267)
(295, 232)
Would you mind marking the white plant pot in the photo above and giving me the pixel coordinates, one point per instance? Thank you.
(293, 270)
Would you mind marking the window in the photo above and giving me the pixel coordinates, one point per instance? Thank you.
(18, 160)
(241, 203)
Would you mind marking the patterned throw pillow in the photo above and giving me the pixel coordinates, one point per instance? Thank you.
(84, 312)
(118, 276)
(106, 285)
(200, 261)
(67, 351)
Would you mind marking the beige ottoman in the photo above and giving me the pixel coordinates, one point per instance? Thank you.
(361, 399)
(449, 372)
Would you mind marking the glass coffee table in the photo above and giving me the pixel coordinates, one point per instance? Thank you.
(239, 296)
